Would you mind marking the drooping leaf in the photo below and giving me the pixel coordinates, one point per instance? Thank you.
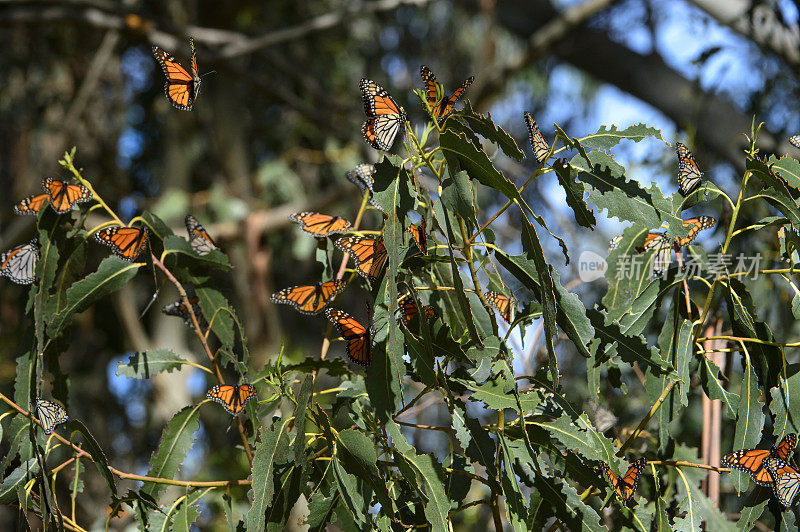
(567, 177)
(176, 440)
(94, 449)
(270, 452)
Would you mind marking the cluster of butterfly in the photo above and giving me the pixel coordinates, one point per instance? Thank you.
(770, 467)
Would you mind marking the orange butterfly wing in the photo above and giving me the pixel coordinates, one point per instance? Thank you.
(750, 461)
(31, 204)
(431, 92)
(418, 232)
(232, 397)
(63, 195)
(446, 107)
(698, 224)
(625, 486)
(368, 253)
(309, 299)
(181, 87)
(320, 225)
(384, 117)
(785, 447)
(125, 242)
(357, 337)
(504, 304)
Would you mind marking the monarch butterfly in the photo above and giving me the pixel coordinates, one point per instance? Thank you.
(50, 415)
(180, 309)
(541, 149)
(507, 306)
(787, 480)
(368, 252)
(31, 204)
(63, 195)
(309, 299)
(384, 117)
(361, 176)
(752, 461)
(232, 397)
(698, 224)
(439, 112)
(19, 263)
(689, 175)
(795, 140)
(614, 242)
(662, 245)
(320, 225)
(418, 233)
(181, 88)
(125, 242)
(625, 486)
(201, 241)
(408, 310)
(357, 337)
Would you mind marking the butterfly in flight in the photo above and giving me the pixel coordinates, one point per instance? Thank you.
(384, 117)
(232, 397)
(361, 176)
(309, 299)
(181, 87)
(697, 224)
(32, 204)
(50, 415)
(64, 195)
(320, 225)
(539, 145)
(752, 461)
(662, 245)
(507, 306)
(180, 309)
(445, 106)
(358, 339)
(368, 252)
(125, 242)
(786, 480)
(19, 263)
(200, 240)
(689, 175)
(625, 486)
(408, 310)
(418, 233)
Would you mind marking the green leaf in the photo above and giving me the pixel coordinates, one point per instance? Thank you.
(17, 478)
(146, 364)
(573, 512)
(176, 440)
(186, 515)
(351, 495)
(156, 225)
(216, 259)
(567, 177)
(749, 421)
(216, 312)
(610, 340)
(785, 404)
(357, 455)
(458, 196)
(497, 394)
(303, 398)
(699, 509)
(515, 502)
(484, 126)
(778, 192)
(46, 268)
(580, 436)
(320, 510)
(606, 138)
(98, 457)
(709, 378)
(111, 275)
(270, 452)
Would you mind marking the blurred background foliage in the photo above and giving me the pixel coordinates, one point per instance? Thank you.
(277, 125)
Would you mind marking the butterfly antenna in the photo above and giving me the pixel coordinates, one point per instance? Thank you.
(207, 73)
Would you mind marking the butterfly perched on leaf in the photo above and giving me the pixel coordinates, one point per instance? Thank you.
(232, 397)
(507, 306)
(64, 195)
(200, 240)
(662, 245)
(309, 299)
(125, 242)
(696, 224)
(786, 480)
(50, 414)
(358, 339)
(689, 175)
(540, 147)
(361, 176)
(180, 309)
(19, 263)
(444, 107)
(752, 461)
(418, 233)
(32, 204)
(320, 225)
(625, 486)
(181, 87)
(368, 252)
(384, 117)
(407, 309)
